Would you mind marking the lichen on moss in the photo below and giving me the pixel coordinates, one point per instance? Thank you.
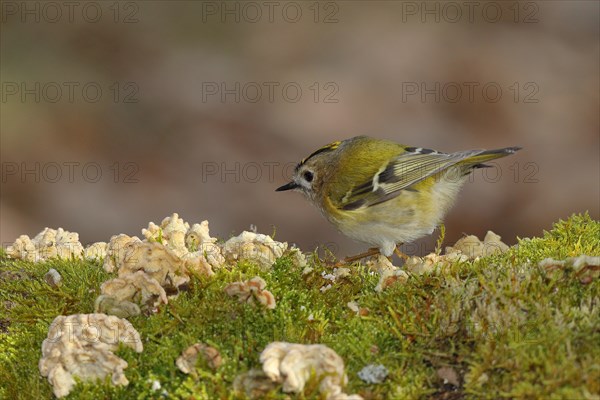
(505, 326)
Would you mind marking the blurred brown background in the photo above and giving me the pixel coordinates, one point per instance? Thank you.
(114, 114)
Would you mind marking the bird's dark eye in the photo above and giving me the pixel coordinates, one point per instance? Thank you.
(308, 176)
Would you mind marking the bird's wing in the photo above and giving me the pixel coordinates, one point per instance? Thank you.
(401, 173)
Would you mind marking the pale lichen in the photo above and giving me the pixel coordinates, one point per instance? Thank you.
(433, 262)
(199, 241)
(361, 311)
(157, 261)
(111, 305)
(449, 376)
(53, 278)
(147, 272)
(47, 244)
(254, 247)
(252, 291)
(298, 258)
(338, 273)
(137, 287)
(389, 274)
(186, 362)
(171, 233)
(474, 248)
(292, 365)
(82, 346)
(116, 249)
(373, 373)
(254, 384)
(187, 242)
(198, 262)
(585, 268)
(150, 270)
(96, 251)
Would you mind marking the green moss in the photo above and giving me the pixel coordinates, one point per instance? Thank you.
(504, 325)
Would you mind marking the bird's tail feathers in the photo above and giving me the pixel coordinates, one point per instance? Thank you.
(479, 160)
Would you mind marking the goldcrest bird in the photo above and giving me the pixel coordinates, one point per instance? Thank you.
(383, 193)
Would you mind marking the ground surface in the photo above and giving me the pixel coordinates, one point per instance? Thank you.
(505, 327)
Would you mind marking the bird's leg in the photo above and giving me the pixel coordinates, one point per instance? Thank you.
(399, 253)
(348, 260)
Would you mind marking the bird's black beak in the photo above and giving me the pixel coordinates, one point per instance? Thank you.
(287, 186)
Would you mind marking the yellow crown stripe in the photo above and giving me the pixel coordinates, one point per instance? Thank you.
(329, 147)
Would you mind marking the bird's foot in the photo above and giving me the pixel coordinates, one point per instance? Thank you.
(350, 259)
(399, 253)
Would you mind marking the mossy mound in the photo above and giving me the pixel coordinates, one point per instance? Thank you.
(499, 327)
